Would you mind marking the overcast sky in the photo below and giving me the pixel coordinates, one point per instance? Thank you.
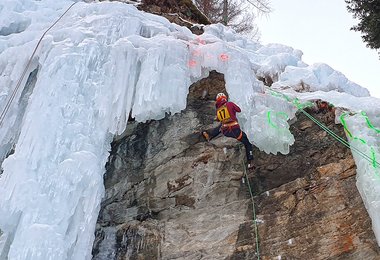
(321, 30)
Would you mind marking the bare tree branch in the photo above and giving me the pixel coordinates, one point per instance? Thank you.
(261, 5)
(238, 14)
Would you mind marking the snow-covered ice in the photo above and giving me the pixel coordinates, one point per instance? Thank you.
(105, 61)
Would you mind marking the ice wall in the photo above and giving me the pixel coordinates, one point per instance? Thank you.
(320, 77)
(365, 138)
(21, 24)
(90, 74)
(101, 63)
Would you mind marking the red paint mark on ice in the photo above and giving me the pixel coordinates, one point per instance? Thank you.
(224, 57)
(192, 63)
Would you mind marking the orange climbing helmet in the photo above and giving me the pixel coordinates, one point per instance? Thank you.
(220, 97)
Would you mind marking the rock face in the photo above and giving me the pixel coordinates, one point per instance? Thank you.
(181, 12)
(308, 203)
(170, 195)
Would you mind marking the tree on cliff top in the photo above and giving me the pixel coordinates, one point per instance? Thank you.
(368, 13)
(238, 14)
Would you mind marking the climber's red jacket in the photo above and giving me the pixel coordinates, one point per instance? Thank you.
(231, 106)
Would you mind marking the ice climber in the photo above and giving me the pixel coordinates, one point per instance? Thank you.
(226, 115)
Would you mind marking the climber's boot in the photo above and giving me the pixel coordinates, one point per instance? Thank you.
(206, 136)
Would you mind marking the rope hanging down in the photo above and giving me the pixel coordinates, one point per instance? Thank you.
(253, 212)
(13, 95)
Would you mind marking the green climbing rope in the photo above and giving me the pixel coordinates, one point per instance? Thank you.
(301, 107)
(253, 212)
(328, 130)
(372, 160)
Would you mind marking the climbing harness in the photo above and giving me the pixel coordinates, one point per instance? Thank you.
(13, 95)
(253, 211)
(240, 137)
(231, 124)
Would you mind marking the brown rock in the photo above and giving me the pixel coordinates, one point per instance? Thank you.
(306, 124)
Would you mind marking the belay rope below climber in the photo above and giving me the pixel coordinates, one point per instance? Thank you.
(13, 95)
(253, 211)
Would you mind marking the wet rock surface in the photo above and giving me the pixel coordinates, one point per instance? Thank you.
(170, 195)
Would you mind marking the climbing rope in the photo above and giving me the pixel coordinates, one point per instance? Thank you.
(371, 159)
(253, 211)
(340, 139)
(13, 95)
